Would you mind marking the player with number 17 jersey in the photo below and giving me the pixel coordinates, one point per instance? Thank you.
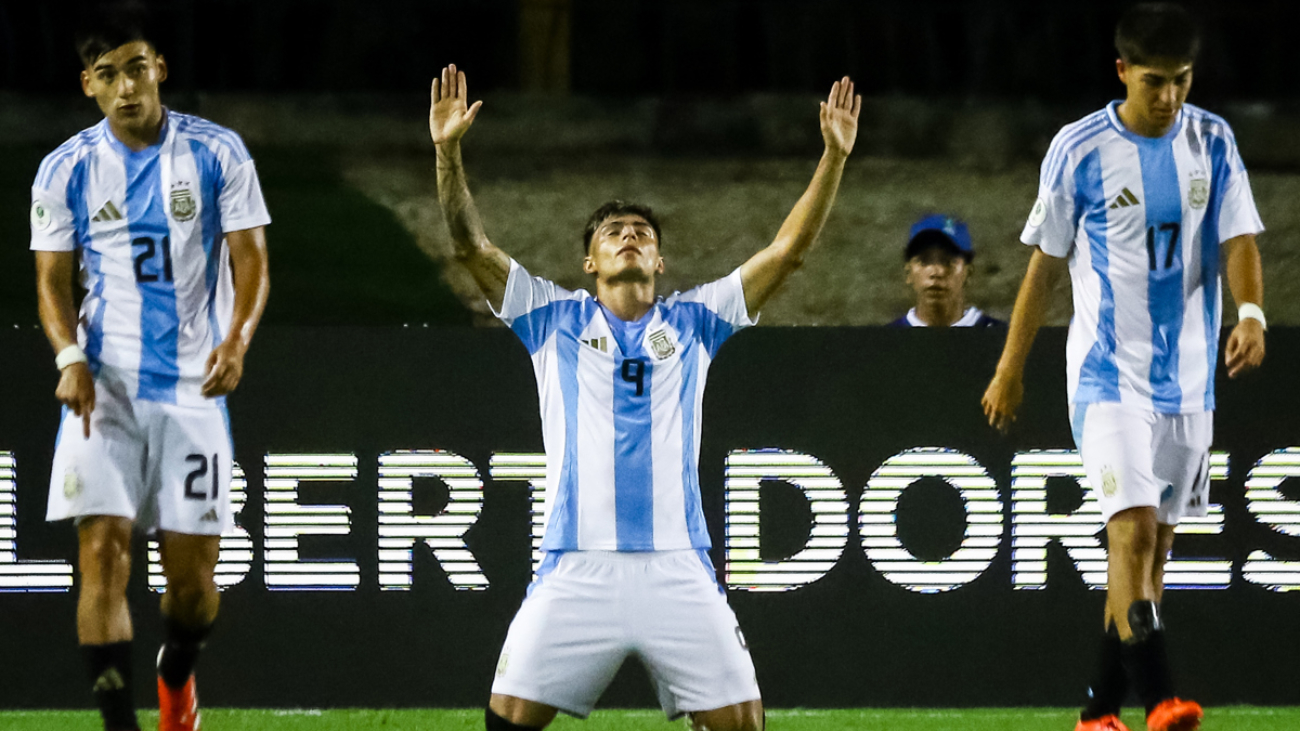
(1147, 202)
(1141, 220)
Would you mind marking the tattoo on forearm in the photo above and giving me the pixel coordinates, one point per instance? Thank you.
(458, 206)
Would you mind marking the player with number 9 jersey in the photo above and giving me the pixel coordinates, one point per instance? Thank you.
(620, 378)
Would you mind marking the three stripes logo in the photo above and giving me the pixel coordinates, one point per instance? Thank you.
(108, 213)
(600, 344)
(1125, 199)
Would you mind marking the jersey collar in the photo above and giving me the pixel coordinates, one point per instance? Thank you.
(1112, 113)
(120, 147)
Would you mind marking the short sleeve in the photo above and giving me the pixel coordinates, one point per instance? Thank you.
(1053, 220)
(53, 227)
(1237, 214)
(241, 202)
(724, 298)
(526, 294)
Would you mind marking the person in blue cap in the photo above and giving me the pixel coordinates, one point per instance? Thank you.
(938, 257)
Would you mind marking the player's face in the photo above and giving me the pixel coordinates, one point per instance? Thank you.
(1156, 92)
(937, 274)
(124, 82)
(624, 249)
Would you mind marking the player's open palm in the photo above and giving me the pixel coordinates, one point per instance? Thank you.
(839, 116)
(449, 115)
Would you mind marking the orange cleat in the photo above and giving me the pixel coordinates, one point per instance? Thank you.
(1105, 723)
(1175, 714)
(178, 710)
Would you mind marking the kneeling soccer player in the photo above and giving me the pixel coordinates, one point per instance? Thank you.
(166, 216)
(621, 380)
(1141, 197)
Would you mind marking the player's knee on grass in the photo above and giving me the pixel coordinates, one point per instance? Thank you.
(494, 722)
(740, 717)
(1143, 620)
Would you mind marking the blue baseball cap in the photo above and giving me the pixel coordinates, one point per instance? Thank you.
(939, 228)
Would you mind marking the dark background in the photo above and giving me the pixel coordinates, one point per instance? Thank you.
(959, 48)
(851, 397)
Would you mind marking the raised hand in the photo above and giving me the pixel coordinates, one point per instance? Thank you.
(839, 117)
(449, 117)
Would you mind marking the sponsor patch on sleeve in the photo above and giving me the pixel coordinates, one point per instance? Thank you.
(1039, 214)
(41, 218)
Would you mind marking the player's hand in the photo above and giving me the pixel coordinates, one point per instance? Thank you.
(839, 117)
(1001, 400)
(1245, 350)
(76, 390)
(225, 368)
(449, 117)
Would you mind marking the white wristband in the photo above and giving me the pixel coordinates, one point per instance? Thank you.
(69, 355)
(1252, 311)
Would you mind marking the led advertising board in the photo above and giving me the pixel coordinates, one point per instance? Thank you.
(881, 545)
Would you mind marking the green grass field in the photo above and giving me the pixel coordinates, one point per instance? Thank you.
(1233, 718)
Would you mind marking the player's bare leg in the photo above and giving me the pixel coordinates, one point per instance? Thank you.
(517, 714)
(1138, 549)
(103, 617)
(104, 560)
(747, 716)
(189, 608)
(1173, 714)
(1164, 545)
(1131, 537)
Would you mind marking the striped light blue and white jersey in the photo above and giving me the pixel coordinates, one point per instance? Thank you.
(150, 230)
(620, 405)
(1141, 220)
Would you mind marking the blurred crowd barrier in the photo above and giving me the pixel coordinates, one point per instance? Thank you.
(982, 135)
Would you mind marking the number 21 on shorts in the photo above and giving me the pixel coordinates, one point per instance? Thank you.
(196, 487)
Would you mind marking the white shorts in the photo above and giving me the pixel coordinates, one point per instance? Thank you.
(166, 467)
(1138, 458)
(595, 608)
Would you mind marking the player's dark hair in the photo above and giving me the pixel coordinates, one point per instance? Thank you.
(105, 26)
(618, 208)
(1150, 31)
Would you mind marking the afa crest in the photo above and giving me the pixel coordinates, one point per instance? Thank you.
(661, 344)
(183, 206)
(1109, 482)
(1198, 192)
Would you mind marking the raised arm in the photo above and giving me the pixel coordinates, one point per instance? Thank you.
(766, 270)
(252, 280)
(58, 314)
(1245, 349)
(1006, 390)
(449, 119)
